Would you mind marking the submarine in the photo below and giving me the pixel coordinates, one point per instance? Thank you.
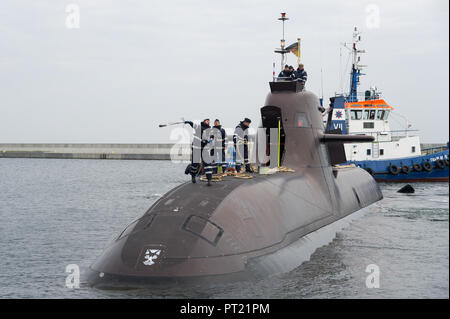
(239, 229)
(232, 229)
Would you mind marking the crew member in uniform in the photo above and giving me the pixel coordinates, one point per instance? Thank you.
(286, 73)
(292, 71)
(240, 138)
(300, 74)
(219, 148)
(201, 139)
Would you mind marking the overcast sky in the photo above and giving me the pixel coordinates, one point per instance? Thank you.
(132, 65)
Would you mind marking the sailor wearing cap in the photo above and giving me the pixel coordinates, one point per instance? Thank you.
(202, 137)
(219, 146)
(286, 73)
(240, 139)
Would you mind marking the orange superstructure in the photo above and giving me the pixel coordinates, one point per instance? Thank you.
(378, 104)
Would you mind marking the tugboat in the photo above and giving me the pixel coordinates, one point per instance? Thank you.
(394, 156)
(239, 229)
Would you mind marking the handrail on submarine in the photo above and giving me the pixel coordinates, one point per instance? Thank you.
(284, 79)
(344, 138)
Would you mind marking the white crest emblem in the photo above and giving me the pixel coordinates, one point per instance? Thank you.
(150, 256)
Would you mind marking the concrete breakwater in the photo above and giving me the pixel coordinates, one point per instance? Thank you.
(97, 151)
(105, 151)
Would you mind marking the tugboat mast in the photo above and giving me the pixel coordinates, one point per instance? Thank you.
(282, 49)
(356, 67)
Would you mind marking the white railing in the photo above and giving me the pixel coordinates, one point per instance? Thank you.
(395, 135)
(435, 149)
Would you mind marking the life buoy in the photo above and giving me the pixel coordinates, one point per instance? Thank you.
(427, 166)
(417, 167)
(394, 169)
(370, 171)
(406, 169)
(440, 164)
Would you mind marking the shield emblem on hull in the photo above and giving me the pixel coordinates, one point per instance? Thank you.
(150, 257)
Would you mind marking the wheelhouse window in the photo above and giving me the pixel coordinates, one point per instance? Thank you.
(356, 114)
(369, 114)
(366, 115)
(380, 114)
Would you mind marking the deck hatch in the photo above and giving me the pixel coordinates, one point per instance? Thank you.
(203, 228)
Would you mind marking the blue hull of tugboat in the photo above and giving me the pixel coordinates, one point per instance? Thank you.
(381, 173)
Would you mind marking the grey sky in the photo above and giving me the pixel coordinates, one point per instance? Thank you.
(134, 64)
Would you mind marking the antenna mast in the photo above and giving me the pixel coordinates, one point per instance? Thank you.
(282, 49)
(356, 67)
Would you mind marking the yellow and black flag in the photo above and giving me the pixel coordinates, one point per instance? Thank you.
(295, 49)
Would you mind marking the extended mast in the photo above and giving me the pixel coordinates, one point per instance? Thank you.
(282, 49)
(356, 67)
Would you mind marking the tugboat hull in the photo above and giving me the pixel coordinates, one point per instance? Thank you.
(417, 171)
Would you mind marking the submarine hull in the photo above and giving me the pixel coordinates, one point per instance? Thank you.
(234, 240)
(241, 229)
